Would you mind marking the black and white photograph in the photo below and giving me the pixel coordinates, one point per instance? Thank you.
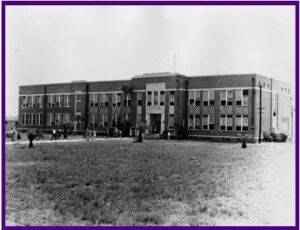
(150, 115)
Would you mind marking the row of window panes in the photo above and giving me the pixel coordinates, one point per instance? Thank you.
(33, 101)
(59, 100)
(58, 118)
(32, 119)
(226, 97)
(101, 120)
(226, 122)
(156, 98)
(102, 99)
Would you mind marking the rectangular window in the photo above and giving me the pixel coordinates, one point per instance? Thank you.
(101, 120)
(128, 100)
(205, 98)
(245, 123)
(59, 100)
(162, 98)
(229, 97)
(31, 119)
(223, 122)
(78, 97)
(39, 119)
(24, 101)
(211, 97)
(57, 119)
(24, 119)
(238, 97)
(149, 98)
(197, 98)
(94, 100)
(172, 97)
(191, 98)
(116, 119)
(114, 99)
(229, 122)
(223, 97)
(106, 100)
(34, 101)
(155, 97)
(226, 122)
(245, 97)
(92, 120)
(101, 100)
(105, 117)
(171, 121)
(28, 119)
(67, 100)
(30, 101)
(197, 121)
(211, 122)
(238, 123)
(51, 101)
(38, 101)
(34, 119)
(119, 99)
(139, 99)
(205, 122)
(191, 122)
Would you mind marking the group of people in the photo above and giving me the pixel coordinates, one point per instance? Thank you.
(15, 133)
(90, 135)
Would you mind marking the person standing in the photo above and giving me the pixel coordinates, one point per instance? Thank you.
(18, 136)
(12, 134)
(53, 135)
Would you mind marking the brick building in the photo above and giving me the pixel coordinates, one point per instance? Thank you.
(223, 106)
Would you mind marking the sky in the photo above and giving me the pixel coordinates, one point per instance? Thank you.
(54, 44)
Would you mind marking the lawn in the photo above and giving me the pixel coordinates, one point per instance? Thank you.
(157, 182)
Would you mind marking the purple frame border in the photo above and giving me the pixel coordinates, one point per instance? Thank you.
(158, 3)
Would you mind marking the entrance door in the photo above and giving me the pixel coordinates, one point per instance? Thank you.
(155, 123)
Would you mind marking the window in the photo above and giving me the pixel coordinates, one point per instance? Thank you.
(24, 119)
(238, 97)
(155, 97)
(205, 98)
(94, 100)
(191, 121)
(211, 97)
(191, 98)
(226, 122)
(223, 97)
(245, 123)
(171, 121)
(162, 98)
(24, 101)
(66, 118)
(39, 101)
(103, 100)
(57, 119)
(119, 97)
(197, 100)
(229, 97)
(34, 101)
(114, 100)
(245, 97)
(139, 99)
(197, 121)
(103, 120)
(149, 98)
(205, 122)
(40, 120)
(34, 119)
(50, 119)
(30, 101)
(208, 122)
(59, 100)
(28, 119)
(67, 100)
(93, 120)
(172, 98)
(242, 97)
(238, 123)
(127, 101)
(116, 119)
(51, 101)
(106, 100)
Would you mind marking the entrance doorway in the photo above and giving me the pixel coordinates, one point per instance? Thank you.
(155, 123)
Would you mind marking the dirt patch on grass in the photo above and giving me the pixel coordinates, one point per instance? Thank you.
(151, 183)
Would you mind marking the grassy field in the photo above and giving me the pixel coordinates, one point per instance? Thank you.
(117, 182)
